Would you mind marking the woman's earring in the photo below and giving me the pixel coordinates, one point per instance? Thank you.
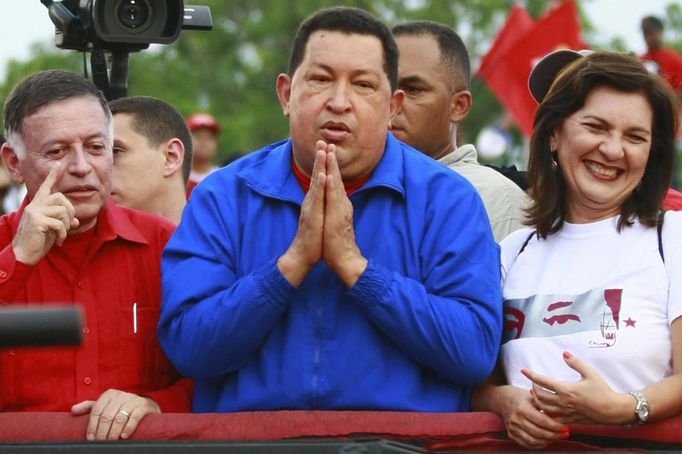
(555, 164)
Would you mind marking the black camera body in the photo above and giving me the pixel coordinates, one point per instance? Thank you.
(115, 28)
(123, 25)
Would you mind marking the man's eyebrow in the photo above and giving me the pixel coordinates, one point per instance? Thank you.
(330, 69)
(410, 80)
(53, 142)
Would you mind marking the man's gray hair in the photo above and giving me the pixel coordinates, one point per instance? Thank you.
(42, 89)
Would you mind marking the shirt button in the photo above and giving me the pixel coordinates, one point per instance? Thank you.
(86, 330)
(81, 284)
(87, 380)
(3, 274)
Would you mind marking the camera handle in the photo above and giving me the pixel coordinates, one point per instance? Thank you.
(114, 83)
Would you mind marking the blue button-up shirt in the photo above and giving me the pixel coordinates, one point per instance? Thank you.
(419, 328)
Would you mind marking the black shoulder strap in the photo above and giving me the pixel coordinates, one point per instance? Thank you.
(525, 243)
(659, 230)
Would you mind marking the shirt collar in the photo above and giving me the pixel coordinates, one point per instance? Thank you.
(465, 153)
(272, 175)
(111, 223)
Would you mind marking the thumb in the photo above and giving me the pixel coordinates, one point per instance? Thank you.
(82, 408)
(577, 365)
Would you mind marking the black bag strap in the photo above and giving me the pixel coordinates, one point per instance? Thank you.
(525, 243)
(659, 230)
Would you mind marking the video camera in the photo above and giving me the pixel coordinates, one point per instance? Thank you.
(117, 27)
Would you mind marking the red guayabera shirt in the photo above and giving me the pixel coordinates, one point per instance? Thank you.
(112, 271)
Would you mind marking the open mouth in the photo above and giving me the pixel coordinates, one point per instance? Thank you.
(602, 172)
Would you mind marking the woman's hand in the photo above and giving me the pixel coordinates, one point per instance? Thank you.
(589, 400)
(525, 423)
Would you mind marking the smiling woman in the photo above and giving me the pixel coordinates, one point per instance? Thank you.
(599, 271)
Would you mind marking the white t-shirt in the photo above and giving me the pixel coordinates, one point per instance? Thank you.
(604, 296)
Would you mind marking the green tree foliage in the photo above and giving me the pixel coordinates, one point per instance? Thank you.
(231, 71)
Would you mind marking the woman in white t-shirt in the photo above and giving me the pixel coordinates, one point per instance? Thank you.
(593, 291)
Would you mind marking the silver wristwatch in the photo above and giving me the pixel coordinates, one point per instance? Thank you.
(642, 409)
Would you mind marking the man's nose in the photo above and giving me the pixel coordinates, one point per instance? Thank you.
(339, 99)
(79, 163)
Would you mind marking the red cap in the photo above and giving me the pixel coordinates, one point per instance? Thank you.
(203, 120)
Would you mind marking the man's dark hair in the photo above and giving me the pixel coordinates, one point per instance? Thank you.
(349, 21)
(567, 95)
(41, 89)
(651, 24)
(452, 49)
(158, 122)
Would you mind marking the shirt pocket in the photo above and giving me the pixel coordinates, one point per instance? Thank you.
(139, 349)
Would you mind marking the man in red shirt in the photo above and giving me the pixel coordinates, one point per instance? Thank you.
(205, 131)
(68, 243)
(665, 61)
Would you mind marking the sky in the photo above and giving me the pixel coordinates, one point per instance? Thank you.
(23, 22)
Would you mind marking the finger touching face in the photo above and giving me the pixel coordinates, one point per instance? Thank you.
(75, 134)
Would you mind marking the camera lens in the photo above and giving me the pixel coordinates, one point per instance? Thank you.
(133, 13)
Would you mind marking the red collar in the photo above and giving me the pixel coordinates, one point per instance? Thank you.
(304, 180)
(112, 222)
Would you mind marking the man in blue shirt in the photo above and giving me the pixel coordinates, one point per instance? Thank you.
(339, 269)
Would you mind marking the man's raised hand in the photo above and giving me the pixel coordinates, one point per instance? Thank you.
(46, 220)
(340, 251)
(306, 249)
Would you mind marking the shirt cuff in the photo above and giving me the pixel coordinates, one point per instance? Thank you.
(273, 285)
(175, 399)
(372, 285)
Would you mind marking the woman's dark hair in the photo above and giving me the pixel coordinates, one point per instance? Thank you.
(567, 95)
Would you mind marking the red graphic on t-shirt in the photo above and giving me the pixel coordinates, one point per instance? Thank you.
(515, 323)
(613, 297)
(561, 318)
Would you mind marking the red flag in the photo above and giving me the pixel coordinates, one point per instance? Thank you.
(518, 24)
(508, 79)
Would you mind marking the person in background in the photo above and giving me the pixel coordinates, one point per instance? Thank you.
(11, 194)
(152, 156)
(593, 290)
(666, 62)
(69, 243)
(205, 132)
(434, 74)
(662, 60)
(338, 269)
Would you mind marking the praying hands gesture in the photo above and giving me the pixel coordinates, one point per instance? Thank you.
(325, 228)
